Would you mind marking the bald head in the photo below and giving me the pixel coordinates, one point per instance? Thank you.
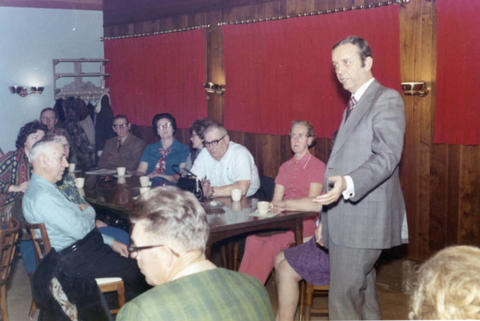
(49, 160)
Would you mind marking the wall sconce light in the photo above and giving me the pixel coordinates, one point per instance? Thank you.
(212, 88)
(25, 91)
(415, 88)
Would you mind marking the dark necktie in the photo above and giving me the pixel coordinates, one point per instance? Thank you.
(351, 104)
(119, 144)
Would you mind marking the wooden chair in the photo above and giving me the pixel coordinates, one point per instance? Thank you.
(307, 291)
(8, 240)
(42, 246)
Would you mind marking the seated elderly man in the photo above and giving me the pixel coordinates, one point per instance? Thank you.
(81, 250)
(49, 118)
(170, 234)
(225, 165)
(124, 150)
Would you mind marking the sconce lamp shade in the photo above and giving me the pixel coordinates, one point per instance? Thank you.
(212, 88)
(415, 88)
(37, 90)
(25, 91)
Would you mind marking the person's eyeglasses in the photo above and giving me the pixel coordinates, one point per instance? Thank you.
(293, 136)
(213, 143)
(132, 249)
(164, 126)
(120, 125)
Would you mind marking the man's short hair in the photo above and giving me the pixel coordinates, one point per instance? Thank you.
(448, 286)
(360, 43)
(42, 147)
(48, 109)
(121, 116)
(216, 126)
(173, 214)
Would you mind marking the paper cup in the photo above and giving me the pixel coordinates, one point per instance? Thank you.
(71, 167)
(236, 194)
(121, 171)
(79, 182)
(144, 181)
(263, 207)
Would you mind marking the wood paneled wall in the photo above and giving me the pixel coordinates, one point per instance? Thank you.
(440, 182)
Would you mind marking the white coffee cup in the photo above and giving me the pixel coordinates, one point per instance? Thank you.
(144, 181)
(121, 171)
(263, 207)
(71, 167)
(79, 182)
(236, 194)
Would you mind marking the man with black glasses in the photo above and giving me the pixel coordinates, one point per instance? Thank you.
(124, 150)
(169, 235)
(225, 165)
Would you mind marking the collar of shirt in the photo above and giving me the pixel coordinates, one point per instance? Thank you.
(360, 91)
(123, 139)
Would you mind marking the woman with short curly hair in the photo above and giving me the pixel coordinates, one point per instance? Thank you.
(15, 171)
(15, 168)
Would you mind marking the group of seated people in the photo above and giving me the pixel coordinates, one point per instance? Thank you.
(170, 230)
(220, 163)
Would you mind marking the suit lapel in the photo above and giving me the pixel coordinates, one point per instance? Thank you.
(347, 127)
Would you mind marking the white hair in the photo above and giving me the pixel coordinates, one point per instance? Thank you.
(43, 147)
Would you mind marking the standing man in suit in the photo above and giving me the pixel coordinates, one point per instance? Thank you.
(364, 206)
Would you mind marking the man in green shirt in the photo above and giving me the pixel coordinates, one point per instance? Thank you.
(169, 238)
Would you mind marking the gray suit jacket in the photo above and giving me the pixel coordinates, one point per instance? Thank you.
(368, 147)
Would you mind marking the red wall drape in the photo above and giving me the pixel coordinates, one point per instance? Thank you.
(155, 74)
(457, 111)
(280, 71)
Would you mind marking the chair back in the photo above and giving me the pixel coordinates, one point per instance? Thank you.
(8, 242)
(267, 187)
(40, 239)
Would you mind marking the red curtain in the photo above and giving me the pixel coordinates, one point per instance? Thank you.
(457, 111)
(155, 74)
(280, 71)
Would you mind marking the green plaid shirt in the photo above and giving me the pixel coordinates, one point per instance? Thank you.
(212, 295)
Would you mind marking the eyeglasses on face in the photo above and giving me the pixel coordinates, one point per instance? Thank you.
(120, 125)
(164, 126)
(294, 136)
(213, 143)
(132, 249)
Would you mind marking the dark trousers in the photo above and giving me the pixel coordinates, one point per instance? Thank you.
(91, 258)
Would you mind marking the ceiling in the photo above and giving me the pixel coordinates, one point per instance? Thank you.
(55, 4)
(126, 11)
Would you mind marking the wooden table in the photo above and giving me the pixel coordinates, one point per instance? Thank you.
(114, 197)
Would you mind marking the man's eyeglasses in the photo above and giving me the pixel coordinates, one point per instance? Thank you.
(132, 249)
(120, 125)
(164, 126)
(213, 143)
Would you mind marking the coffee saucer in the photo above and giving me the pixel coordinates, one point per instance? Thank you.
(267, 215)
(126, 176)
